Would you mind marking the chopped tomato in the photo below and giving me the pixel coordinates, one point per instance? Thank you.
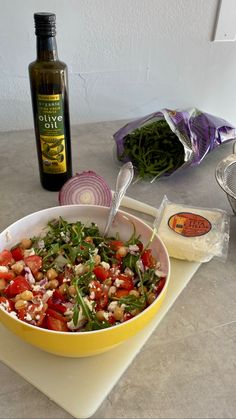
(102, 301)
(18, 285)
(56, 324)
(140, 246)
(57, 295)
(160, 285)
(148, 259)
(56, 315)
(116, 244)
(96, 288)
(17, 254)
(121, 292)
(56, 305)
(8, 276)
(60, 277)
(6, 258)
(34, 262)
(127, 282)
(8, 304)
(127, 316)
(111, 319)
(33, 313)
(22, 313)
(101, 273)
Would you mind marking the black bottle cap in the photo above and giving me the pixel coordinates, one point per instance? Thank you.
(45, 24)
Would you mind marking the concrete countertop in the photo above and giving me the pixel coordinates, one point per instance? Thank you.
(187, 369)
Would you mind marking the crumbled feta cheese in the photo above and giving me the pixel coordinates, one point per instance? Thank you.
(79, 269)
(49, 292)
(128, 272)
(29, 275)
(41, 244)
(28, 317)
(112, 306)
(159, 273)
(4, 269)
(118, 282)
(115, 271)
(140, 265)
(133, 248)
(106, 315)
(92, 295)
(36, 287)
(69, 313)
(89, 303)
(105, 265)
(13, 313)
(29, 252)
(81, 321)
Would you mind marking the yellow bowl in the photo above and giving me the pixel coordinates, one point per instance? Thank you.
(94, 342)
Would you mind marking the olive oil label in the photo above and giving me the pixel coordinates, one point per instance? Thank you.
(51, 130)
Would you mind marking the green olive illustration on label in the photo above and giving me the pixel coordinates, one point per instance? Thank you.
(60, 158)
(52, 153)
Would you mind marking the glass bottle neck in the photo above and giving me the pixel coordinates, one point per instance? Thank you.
(46, 48)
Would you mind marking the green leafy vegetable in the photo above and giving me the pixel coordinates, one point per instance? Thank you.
(153, 149)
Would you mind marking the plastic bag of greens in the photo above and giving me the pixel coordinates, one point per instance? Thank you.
(161, 143)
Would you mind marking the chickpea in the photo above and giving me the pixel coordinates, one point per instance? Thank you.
(100, 315)
(97, 260)
(18, 267)
(39, 276)
(63, 288)
(20, 304)
(135, 311)
(53, 284)
(26, 243)
(140, 289)
(80, 269)
(151, 297)
(135, 293)
(2, 284)
(112, 290)
(118, 313)
(122, 251)
(72, 290)
(26, 295)
(18, 297)
(51, 274)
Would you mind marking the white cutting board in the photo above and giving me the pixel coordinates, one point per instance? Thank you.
(88, 380)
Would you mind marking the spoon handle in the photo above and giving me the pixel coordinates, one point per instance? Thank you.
(124, 179)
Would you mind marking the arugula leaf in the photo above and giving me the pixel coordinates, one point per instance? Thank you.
(132, 302)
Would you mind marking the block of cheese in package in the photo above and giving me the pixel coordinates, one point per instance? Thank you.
(193, 233)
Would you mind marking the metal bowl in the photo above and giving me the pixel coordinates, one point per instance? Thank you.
(226, 177)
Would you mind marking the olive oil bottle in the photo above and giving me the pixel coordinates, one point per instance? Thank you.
(49, 93)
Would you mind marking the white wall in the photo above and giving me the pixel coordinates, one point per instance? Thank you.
(126, 58)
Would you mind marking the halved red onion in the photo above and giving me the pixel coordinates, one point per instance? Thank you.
(86, 188)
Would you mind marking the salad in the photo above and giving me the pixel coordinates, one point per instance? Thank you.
(73, 279)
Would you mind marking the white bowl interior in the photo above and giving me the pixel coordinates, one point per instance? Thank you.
(33, 225)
